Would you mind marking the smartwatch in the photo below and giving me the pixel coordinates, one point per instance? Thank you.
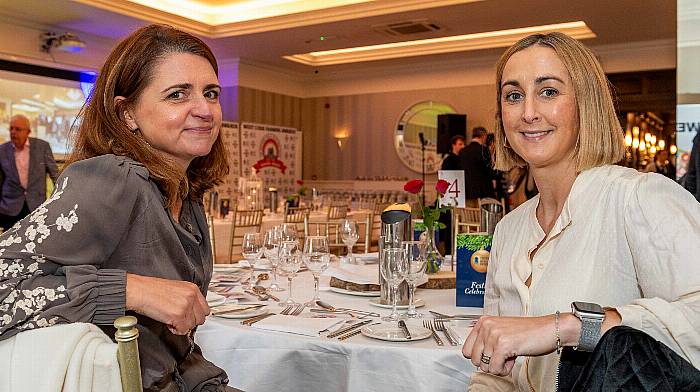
(591, 316)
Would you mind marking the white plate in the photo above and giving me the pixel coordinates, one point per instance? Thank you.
(214, 299)
(226, 268)
(357, 293)
(390, 331)
(244, 314)
(375, 302)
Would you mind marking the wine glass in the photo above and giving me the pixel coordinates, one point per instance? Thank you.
(288, 232)
(393, 268)
(271, 245)
(349, 236)
(289, 264)
(415, 262)
(316, 259)
(252, 248)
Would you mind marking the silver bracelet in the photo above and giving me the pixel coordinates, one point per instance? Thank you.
(556, 329)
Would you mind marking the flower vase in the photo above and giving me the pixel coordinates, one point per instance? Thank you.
(433, 257)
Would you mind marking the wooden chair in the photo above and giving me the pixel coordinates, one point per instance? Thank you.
(376, 229)
(212, 236)
(246, 220)
(330, 229)
(296, 216)
(128, 353)
(466, 220)
(337, 211)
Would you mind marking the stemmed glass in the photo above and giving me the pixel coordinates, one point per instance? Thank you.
(415, 261)
(349, 236)
(316, 259)
(289, 263)
(271, 244)
(252, 248)
(288, 232)
(393, 268)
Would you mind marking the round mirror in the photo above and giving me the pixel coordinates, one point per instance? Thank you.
(420, 118)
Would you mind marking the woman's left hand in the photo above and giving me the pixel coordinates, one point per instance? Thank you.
(495, 342)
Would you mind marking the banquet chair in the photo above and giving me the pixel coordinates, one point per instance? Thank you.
(296, 216)
(128, 353)
(244, 221)
(466, 220)
(337, 211)
(376, 229)
(212, 236)
(364, 228)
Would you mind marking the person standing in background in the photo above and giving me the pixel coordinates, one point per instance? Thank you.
(24, 162)
(662, 165)
(478, 167)
(451, 161)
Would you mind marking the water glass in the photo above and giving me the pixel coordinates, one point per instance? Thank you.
(252, 248)
(415, 260)
(349, 236)
(393, 268)
(289, 264)
(271, 245)
(316, 259)
(288, 232)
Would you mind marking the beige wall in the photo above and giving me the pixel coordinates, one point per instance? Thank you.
(370, 120)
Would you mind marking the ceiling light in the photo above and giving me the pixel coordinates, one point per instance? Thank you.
(457, 43)
(66, 42)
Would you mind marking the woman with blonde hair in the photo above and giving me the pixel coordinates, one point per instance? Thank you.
(125, 230)
(585, 255)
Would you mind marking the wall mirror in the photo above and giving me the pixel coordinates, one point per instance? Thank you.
(417, 119)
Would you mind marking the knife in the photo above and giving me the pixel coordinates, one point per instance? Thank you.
(404, 328)
(215, 311)
(347, 329)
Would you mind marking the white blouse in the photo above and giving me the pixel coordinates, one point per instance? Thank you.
(624, 239)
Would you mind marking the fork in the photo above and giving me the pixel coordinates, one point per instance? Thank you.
(298, 310)
(428, 324)
(287, 309)
(440, 326)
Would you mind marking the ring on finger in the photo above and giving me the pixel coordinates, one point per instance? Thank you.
(485, 359)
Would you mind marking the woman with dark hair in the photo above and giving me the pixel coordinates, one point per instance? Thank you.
(584, 257)
(125, 230)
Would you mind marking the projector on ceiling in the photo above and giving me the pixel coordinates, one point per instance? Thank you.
(66, 42)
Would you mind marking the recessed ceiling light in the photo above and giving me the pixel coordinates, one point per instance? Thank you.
(457, 43)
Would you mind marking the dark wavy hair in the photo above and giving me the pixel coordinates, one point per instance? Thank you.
(102, 129)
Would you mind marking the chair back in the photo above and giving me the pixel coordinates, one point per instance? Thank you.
(337, 211)
(466, 220)
(296, 214)
(212, 236)
(128, 353)
(244, 221)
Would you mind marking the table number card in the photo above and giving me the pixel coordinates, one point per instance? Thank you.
(454, 196)
(473, 252)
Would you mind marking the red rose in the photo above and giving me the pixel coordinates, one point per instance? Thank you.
(300, 182)
(413, 186)
(442, 186)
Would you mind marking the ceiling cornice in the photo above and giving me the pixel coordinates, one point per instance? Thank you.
(327, 15)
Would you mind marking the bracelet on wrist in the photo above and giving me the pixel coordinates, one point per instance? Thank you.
(556, 331)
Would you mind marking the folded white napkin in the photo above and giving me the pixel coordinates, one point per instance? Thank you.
(367, 258)
(354, 273)
(213, 297)
(297, 325)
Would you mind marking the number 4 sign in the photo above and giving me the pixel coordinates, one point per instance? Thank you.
(454, 196)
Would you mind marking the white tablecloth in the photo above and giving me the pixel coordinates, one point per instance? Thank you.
(262, 361)
(222, 229)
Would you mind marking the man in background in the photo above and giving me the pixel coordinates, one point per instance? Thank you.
(662, 165)
(451, 161)
(24, 163)
(692, 180)
(478, 168)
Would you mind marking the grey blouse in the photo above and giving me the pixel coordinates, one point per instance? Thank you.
(67, 261)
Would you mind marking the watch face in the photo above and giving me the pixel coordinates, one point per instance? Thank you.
(587, 307)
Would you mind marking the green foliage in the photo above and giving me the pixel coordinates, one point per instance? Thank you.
(474, 241)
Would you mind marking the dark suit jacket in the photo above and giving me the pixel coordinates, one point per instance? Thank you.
(451, 162)
(41, 162)
(478, 171)
(692, 180)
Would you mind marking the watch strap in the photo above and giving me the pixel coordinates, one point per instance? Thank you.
(590, 333)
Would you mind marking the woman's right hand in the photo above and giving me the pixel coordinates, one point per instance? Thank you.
(178, 304)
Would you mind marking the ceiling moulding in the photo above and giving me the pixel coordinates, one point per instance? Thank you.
(220, 21)
(457, 43)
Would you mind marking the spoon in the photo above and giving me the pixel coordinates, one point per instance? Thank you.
(257, 288)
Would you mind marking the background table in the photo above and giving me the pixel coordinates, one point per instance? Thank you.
(222, 228)
(258, 360)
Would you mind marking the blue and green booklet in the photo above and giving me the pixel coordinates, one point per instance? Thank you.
(473, 252)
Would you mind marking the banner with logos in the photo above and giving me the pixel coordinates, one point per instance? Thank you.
(274, 153)
(687, 126)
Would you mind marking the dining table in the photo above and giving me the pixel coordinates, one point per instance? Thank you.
(262, 360)
(222, 227)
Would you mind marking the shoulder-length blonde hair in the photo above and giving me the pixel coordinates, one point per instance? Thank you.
(126, 72)
(600, 137)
